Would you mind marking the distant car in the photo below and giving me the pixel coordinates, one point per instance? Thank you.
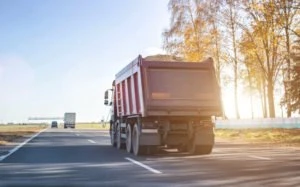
(54, 124)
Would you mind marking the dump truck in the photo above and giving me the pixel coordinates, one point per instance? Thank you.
(69, 120)
(160, 104)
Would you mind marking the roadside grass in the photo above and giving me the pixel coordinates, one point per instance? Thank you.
(97, 126)
(270, 136)
(9, 133)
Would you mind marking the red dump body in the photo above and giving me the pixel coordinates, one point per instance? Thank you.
(157, 88)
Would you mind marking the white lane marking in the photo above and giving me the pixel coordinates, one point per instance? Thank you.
(91, 141)
(20, 145)
(77, 134)
(143, 165)
(259, 157)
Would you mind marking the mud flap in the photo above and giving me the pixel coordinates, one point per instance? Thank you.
(149, 139)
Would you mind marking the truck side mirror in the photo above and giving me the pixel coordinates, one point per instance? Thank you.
(106, 98)
(106, 95)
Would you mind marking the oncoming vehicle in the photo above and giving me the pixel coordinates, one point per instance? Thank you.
(54, 124)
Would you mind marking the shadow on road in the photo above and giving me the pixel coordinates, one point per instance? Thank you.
(61, 159)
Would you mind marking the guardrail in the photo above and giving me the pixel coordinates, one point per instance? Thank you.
(286, 123)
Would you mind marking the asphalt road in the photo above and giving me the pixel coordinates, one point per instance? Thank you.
(59, 157)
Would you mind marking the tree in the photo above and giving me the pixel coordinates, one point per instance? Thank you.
(293, 87)
(287, 11)
(231, 20)
(264, 34)
(186, 36)
(254, 77)
(213, 14)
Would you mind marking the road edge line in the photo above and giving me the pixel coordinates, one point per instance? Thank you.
(143, 165)
(21, 145)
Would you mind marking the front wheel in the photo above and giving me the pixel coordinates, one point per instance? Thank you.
(120, 144)
(112, 135)
(200, 149)
(128, 139)
(182, 148)
(206, 149)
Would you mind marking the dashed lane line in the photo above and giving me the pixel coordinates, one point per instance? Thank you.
(92, 141)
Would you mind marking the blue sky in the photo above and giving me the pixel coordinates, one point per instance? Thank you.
(60, 55)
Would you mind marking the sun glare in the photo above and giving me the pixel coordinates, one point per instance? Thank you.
(244, 104)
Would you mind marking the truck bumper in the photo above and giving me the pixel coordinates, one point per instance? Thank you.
(69, 125)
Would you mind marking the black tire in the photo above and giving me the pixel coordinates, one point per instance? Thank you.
(120, 144)
(112, 135)
(206, 149)
(182, 148)
(151, 150)
(129, 139)
(136, 147)
(200, 149)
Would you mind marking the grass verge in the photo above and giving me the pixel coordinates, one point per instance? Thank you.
(97, 126)
(9, 133)
(270, 136)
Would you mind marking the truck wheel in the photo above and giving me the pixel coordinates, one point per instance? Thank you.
(206, 149)
(182, 148)
(137, 148)
(151, 150)
(112, 135)
(128, 139)
(200, 149)
(120, 145)
(194, 149)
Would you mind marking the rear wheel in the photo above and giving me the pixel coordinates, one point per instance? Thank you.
(137, 148)
(128, 139)
(194, 149)
(199, 149)
(206, 149)
(182, 148)
(151, 150)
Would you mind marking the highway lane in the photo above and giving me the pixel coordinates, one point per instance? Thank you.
(59, 157)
